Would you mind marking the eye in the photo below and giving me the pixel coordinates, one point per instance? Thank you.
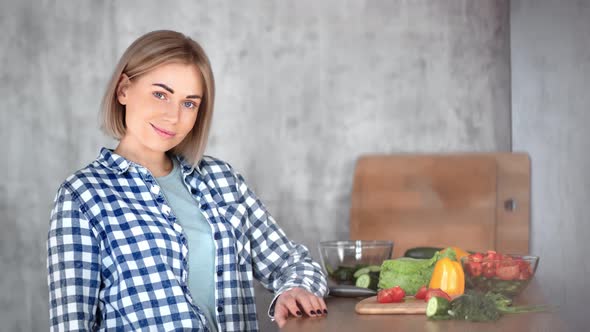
(190, 105)
(159, 95)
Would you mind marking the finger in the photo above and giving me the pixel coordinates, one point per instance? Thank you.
(322, 305)
(281, 314)
(317, 303)
(291, 304)
(308, 307)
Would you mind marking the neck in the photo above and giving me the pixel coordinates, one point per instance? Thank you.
(155, 161)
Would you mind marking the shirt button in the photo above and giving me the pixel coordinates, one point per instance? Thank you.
(219, 273)
(219, 308)
(155, 190)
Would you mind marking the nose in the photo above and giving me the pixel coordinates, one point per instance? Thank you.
(171, 113)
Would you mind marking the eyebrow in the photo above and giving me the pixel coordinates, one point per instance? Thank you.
(169, 89)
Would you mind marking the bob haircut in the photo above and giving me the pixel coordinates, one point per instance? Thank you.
(146, 53)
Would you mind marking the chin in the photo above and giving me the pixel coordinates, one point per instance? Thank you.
(158, 146)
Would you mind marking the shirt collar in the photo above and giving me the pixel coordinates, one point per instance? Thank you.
(119, 164)
(186, 167)
(113, 161)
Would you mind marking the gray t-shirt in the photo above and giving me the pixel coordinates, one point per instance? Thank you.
(201, 248)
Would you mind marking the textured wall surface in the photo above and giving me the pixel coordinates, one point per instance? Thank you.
(304, 88)
(551, 114)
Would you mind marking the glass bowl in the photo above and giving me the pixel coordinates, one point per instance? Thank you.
(340, 259)
(505, 274)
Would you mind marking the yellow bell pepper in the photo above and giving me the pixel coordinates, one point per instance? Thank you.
(460, 253)
(448, 275)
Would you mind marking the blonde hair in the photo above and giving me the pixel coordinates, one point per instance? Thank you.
(146, 53)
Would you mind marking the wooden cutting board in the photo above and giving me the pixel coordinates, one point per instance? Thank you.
(370, 306)
(476, 201)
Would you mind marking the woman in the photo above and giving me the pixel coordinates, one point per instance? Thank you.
(156, 236)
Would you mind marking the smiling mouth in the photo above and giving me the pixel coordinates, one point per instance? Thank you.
(162, 132)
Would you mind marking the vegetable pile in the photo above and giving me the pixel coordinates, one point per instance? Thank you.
(410, 273)
(492, 278)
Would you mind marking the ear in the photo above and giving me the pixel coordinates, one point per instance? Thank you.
(122, 89)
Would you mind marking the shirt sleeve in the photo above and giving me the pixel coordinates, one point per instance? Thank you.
(278, 263)
(73, 264)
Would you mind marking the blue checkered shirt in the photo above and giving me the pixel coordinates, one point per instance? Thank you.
(117, 257)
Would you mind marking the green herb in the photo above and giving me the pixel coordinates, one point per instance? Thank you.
(479, 307)
(474, 306)
(504, 305)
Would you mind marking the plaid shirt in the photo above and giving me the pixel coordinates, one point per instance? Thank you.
(117, 257)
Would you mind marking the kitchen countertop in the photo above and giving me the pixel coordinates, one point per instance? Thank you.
(342, 317)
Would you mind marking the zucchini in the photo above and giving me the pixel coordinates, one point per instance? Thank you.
(437, 307)
(421, 252)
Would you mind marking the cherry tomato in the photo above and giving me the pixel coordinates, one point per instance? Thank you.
(508, 271)
(477, 257)
(526, 271)
(436, 292)
(524, 266)
(389, 295)
(474, 268)
(421, 294)
(524, 275)
(488, 268)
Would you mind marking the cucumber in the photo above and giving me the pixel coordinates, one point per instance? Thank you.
(375, 268)
(363, 281)
(360, 272)
(367, 269)
(329, 269)
(421, 252)
(368, 280)
(437, 306)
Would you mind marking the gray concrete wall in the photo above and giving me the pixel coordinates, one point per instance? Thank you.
(551, 113)
(305, 87)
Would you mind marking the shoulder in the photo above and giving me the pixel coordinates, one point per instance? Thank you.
(216, 167)
(92, 177)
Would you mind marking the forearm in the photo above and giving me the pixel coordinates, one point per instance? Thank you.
(73, 268)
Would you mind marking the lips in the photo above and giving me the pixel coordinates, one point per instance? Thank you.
(163, 132)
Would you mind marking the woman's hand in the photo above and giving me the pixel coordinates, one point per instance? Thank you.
(298, 302)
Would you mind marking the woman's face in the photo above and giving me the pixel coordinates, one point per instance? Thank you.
(161, 106)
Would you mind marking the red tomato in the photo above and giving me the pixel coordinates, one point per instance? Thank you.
(508, 271)
(491, 254)
(398, 294)
(421, 294)
(474, 269)
(524, 266)
(489, 269)
(436, 292)
(384, 296)
(477, 257)
(524, 275)
(394, 294)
